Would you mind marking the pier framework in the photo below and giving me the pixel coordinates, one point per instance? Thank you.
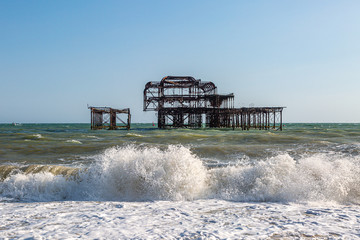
(109, 118)
(186, 102)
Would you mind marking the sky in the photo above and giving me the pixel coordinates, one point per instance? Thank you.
(57, 57)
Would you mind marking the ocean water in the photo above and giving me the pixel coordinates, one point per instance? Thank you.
(67, 181)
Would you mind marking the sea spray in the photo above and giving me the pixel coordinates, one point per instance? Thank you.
(37, 187)
(321, 177)
(134, 173)
(120, 173)
(140, 173)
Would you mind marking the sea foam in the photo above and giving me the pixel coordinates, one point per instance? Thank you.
(73, 141)
(321, 177)
(135, 173)
(150, 173)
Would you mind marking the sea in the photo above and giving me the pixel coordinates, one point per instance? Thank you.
(65, 181)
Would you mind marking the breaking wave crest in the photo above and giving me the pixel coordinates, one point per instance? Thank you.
(138, 173)
(149, 173)
(322, 177)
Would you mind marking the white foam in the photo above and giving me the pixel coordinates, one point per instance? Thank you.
(90, 136)
(37, 187)
(127, 173)
(149, 173)
(37, 135)
(73, 141)
(142, 173)
(133, 135)
(199, 219)
(320, 177)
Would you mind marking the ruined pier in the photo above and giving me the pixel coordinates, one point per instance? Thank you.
(109, 118)
(186, 102)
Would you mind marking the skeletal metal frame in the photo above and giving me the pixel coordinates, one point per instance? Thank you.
(106, 118)
(183, 102)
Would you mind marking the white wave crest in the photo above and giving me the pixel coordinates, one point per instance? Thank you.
(37, 135)
(133, 173)
(37, 187)
(150, 173)
(73, 141)
(133, 135)
(127, 173)
(321, 177)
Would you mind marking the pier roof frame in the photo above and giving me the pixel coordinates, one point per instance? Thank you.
(180, 91)
(182, 82)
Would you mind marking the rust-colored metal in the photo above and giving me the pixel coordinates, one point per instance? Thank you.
(184, 102)
(106, 118)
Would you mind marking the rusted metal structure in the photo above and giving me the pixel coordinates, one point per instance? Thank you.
(185, 102)
(106, 118)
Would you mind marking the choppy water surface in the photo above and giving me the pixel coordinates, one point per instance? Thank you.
(304, 162)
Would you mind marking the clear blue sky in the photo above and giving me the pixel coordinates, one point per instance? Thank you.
(58, 56)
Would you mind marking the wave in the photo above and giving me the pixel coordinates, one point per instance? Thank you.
(38, 136)
(73, 141)
(133, 135)
(139, 173)
(322, 177)
(32, 137)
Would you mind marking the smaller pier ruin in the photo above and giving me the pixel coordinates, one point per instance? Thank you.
(109, 118)
(186, 102)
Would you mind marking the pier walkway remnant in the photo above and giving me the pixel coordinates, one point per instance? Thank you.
(106, 118)
(185, 102)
